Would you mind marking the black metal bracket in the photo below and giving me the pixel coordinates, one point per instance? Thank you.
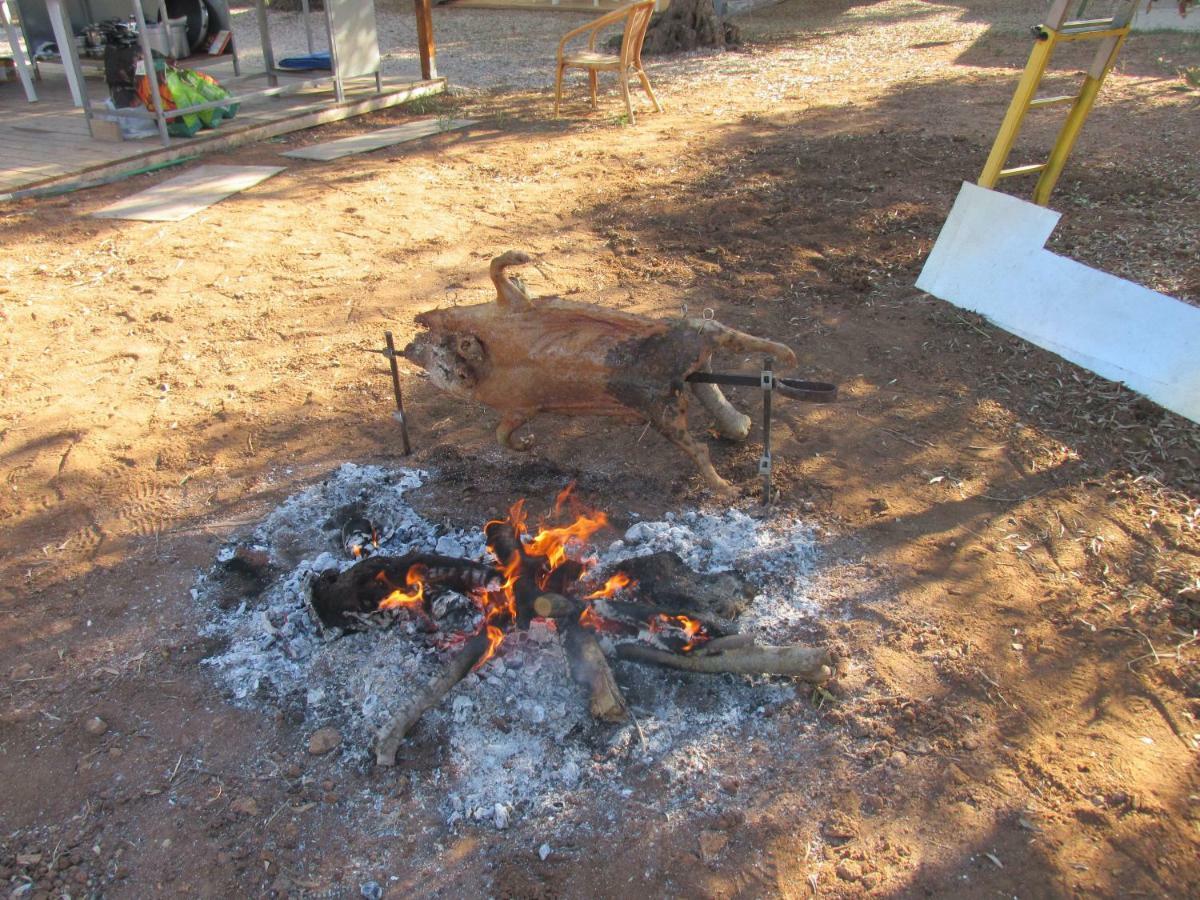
(770, 383)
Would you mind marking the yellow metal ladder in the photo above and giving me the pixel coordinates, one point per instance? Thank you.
(1111, 32)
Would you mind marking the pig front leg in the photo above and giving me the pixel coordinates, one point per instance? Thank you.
(510, 422)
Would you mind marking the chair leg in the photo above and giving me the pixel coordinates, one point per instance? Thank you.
(592, 83)
(625, 94)
(649, 90)
(558, 75)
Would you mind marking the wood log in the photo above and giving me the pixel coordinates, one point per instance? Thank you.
(506, 545)
(814, 664)
(523, 356)
(643, 613)
(635, 616)
(721, 644)
(590, 669)
(388, 737)
(338, 597)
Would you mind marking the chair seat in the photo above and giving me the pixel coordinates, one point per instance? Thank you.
(591, 60)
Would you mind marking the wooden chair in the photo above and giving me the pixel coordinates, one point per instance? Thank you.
(636, 17)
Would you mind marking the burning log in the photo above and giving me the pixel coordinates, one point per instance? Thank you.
(388, 737)
(813, 664)
(388, 582)
(636, 616)
(523, 356)
(590, 669)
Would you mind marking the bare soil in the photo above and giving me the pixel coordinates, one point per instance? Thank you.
(1020, 715)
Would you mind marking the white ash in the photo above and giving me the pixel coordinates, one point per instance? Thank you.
(514, 741)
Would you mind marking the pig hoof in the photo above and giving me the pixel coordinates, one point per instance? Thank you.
(521, 445)
(724, 490)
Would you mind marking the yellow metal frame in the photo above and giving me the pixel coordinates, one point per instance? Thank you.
(1112, 33)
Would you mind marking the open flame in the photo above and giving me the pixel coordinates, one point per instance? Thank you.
(400, 598)
(551, 543)
(618, 582)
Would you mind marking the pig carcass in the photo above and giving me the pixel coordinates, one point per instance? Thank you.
(523, 356)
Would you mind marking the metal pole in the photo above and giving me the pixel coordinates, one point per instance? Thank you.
(307, 25)
(399, 414)
(151, 71)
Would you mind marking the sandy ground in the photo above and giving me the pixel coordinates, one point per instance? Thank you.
(1010, 544)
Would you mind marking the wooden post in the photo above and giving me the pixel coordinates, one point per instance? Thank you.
(425, 44)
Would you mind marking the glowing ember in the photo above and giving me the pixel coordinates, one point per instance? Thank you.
(694, 631)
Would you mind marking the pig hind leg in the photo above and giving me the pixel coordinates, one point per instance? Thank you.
(738, 341)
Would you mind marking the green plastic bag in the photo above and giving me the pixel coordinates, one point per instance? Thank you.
(189, 88)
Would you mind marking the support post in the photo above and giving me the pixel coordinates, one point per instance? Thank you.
(151, 71)
(425, 45)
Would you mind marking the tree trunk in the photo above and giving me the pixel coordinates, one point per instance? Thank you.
(688, 24)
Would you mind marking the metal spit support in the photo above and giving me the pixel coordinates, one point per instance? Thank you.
(398, 415)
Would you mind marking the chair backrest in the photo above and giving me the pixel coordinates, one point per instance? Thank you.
(636, 23)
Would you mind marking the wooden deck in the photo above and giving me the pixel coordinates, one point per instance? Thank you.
(597, 6)
(48, 141)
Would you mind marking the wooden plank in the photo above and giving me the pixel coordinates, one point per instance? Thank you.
(376, 140)
(425, 45)
(185, 195)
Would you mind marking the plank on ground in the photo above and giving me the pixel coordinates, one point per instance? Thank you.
(376, 140)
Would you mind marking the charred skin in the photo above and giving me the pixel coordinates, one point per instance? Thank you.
(523, 357)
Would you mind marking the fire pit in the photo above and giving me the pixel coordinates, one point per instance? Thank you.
(347, 607)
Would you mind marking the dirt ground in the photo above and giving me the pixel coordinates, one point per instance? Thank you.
(1021, 715)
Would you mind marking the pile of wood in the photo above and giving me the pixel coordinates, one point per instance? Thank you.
(691, 631)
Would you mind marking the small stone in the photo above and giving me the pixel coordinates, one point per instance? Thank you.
(970, 742)
(371, 890)
(922, 747)
(730, 819)
(543, 852)
(327, 784)
(839, 827)
(80, 876)
(95, 726)
(849, 870)
(711, 844)
(245, 806)
(898, 760)
(500, 816)
(324, 740)
(28, 859)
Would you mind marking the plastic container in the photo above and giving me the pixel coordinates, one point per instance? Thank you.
(169, 39)
(177, 28)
